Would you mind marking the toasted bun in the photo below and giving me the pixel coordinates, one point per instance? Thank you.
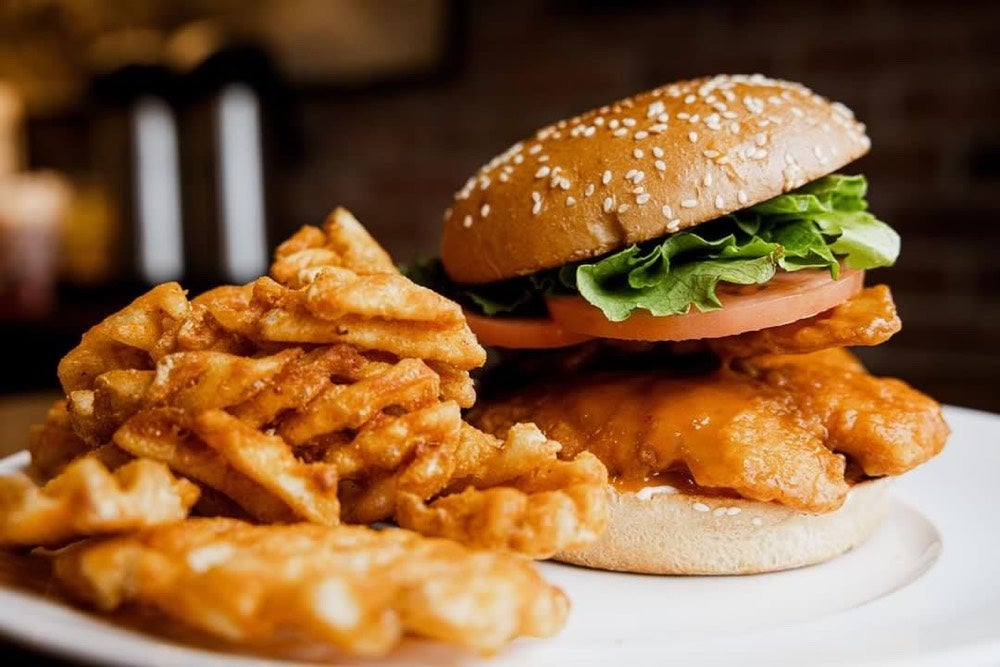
(687, 534)
(640, 168)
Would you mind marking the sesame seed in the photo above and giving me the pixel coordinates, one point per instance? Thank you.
(729, 115)
(690, 99)
(674, 225)
(663, 117)
(710, 153)
(741, 197)
(609, 204)
(707, 180)
(467, 221)
(689, 203)
(757, 521)
(700, 507)
(694, 119)
(760, 154)
(589, 191)
(504, 178)
(761, 139)
(628, 122)
(638, 153)
(622, 208)
(642, 199)
(639, 175)
(733, 511)
(614, 123)
(536, 197)
(638, 190)
(570, 201)
(789, 158)
(630, 173)
(641, 134)
(485, 210)
(684, 115)
(484, 182)
(657, 151)
(720, 202)
(543, 158)
(693, 136)
(667, 211)
(606, 177)
(719, 511)
(661, 165)
(620, 132)
(797, 112)
(535, 149)
(599, 121)
(590, 131)
(734, 127)
(564, 183)
(518, 159)
(655, 109)
(658, 128)
(537, 208)
(542, 172)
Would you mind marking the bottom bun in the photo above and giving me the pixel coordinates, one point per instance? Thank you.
(677, 533)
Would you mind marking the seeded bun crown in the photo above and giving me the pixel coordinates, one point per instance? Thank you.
(638, 169)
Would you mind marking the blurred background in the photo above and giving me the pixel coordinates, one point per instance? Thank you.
(143, 141)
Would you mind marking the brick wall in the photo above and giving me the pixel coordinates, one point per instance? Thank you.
(924, 76)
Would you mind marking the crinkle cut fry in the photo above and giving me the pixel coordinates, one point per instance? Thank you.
(163, 434)
(85, 499)
(343, 242)
(128, 339)
(538, 507)
(358, 589)
(53, 443)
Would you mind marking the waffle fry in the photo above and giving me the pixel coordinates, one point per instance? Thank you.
(342, 242)
(358, 589)
(329, 392)
(53, 443)
(85, 499)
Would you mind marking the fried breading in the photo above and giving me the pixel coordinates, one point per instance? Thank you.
(867, 318)
(358, 589)
(775, 432)
(85, 499)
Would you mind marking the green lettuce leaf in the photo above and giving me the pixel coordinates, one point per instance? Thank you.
(818, 226)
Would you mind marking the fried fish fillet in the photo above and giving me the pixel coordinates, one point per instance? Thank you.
(777, 432)
(355, 588)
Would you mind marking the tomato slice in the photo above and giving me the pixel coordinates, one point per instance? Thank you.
(785, 298)
(526, 333)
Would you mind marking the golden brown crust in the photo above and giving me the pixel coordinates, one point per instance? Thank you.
(640, 168)
(679, 533)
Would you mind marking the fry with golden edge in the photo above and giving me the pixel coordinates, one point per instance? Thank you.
(355, 588)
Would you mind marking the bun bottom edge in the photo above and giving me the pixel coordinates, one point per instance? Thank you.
(686, 534)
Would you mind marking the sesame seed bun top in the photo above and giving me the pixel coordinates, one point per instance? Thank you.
(640, 168)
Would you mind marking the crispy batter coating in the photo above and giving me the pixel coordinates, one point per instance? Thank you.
(358, 589)
(85, 499)
(867, 318)
(776, 430)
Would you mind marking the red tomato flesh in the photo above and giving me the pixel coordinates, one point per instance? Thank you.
(524, 333)
(785, 298)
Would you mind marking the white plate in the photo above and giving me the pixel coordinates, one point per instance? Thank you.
(924, 590)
